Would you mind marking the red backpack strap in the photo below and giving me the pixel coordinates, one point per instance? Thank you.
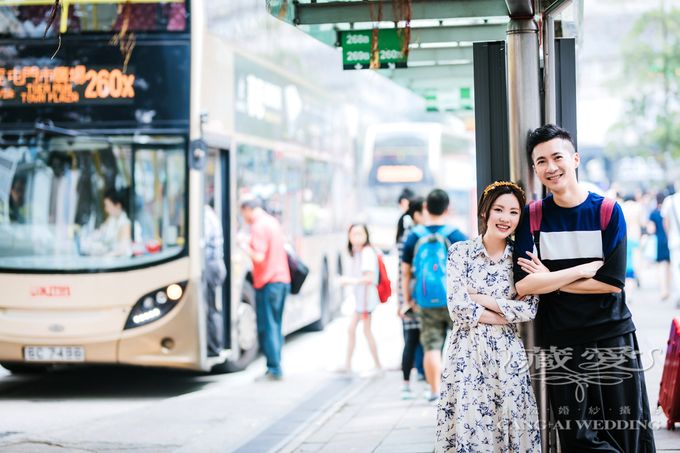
(606, 209)
(535, 216)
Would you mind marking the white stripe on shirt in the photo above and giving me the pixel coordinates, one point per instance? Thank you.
(565, 245)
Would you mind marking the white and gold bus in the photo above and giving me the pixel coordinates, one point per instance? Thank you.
(170, 105)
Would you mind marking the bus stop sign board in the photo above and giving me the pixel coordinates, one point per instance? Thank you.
(356, 49)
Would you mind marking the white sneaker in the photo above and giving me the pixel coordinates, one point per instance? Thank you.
(407, 394)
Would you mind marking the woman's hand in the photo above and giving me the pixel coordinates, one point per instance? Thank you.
(533, 265)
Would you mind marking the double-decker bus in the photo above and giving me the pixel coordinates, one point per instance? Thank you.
(169, 105)
(421, 156)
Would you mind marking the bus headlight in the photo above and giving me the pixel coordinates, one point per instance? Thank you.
(155, 305)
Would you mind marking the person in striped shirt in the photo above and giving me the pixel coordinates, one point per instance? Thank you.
(574, 257)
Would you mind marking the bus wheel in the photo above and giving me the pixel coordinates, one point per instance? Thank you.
(325, 301)
(246, 328)
(21, 368)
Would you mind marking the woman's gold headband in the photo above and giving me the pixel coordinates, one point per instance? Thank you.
(496, 184)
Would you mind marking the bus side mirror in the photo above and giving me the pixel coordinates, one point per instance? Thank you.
(198, 151)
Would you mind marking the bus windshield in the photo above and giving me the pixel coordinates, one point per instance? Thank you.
(83, 16)
(399, 160)
(91, 203)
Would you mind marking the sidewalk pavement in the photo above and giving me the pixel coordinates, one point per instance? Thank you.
(374, 418)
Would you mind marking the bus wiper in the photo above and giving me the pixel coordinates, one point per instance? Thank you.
(49, 127)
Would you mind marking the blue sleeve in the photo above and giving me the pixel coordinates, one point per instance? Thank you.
(523, 243)
(613, 271)
(409, 246)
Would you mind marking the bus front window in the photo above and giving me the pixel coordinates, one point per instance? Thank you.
(91, 203)
(101, 16)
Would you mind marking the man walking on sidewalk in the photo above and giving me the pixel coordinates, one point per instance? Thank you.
(670, 211)
(424, 263)
(271, 280)
(595, 378)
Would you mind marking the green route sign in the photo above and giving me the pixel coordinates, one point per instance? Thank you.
(357, 45)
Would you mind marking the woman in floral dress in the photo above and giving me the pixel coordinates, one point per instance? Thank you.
(487, 403)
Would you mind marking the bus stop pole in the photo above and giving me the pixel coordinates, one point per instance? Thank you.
(524, 115)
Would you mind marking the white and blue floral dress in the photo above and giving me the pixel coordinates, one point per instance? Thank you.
(487, 403)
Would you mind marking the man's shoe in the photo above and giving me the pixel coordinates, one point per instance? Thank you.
(268, 377)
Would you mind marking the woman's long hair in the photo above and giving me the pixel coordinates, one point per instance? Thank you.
(349, 243)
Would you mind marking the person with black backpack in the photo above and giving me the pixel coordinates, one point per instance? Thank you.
(424, 264)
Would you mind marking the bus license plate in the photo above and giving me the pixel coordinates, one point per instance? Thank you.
(54, 354)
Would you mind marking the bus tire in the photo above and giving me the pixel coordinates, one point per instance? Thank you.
(325, 301)
(247, 342)
(22, 368)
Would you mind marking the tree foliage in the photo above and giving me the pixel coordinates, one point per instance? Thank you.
(649, 84)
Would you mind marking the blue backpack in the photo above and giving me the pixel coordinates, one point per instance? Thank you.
(429, 266)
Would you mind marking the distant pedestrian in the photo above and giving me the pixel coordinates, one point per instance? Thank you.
(364, 278)
(413, 350)
(633, 215)
(670, 210)
(271, 280)
(405, 220)
(487, 403)
(663, 255)
(424, 264)
(214, 273)
(574, 257)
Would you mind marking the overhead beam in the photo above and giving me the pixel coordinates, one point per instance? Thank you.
(520, 9)
(443, 54)
(437, 85)
(430, 72)
(367, 11)
(467, 33)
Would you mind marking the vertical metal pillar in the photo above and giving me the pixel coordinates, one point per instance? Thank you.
(549, 92)
(491, 113)
(524, 115)
(524, 105)
(565, 85)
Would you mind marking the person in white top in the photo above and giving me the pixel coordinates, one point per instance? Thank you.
(364, 278)
(113, 237)
(670, 211)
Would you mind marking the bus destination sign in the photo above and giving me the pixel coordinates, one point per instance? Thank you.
(23, 85)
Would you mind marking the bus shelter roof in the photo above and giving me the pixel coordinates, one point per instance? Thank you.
(441, 31)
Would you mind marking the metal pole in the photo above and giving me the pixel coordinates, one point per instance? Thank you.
(524, 108)
(524, 115)
(549, 68)
(548, 439)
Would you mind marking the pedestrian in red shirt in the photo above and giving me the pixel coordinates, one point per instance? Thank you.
(271, 280)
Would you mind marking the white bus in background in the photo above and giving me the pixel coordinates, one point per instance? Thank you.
(421, 156)
(218, 101)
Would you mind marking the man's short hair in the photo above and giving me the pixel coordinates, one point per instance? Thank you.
(437, 202)
(545, 134)
(250, 202)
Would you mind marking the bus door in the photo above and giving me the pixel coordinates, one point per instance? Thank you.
(217, 231)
